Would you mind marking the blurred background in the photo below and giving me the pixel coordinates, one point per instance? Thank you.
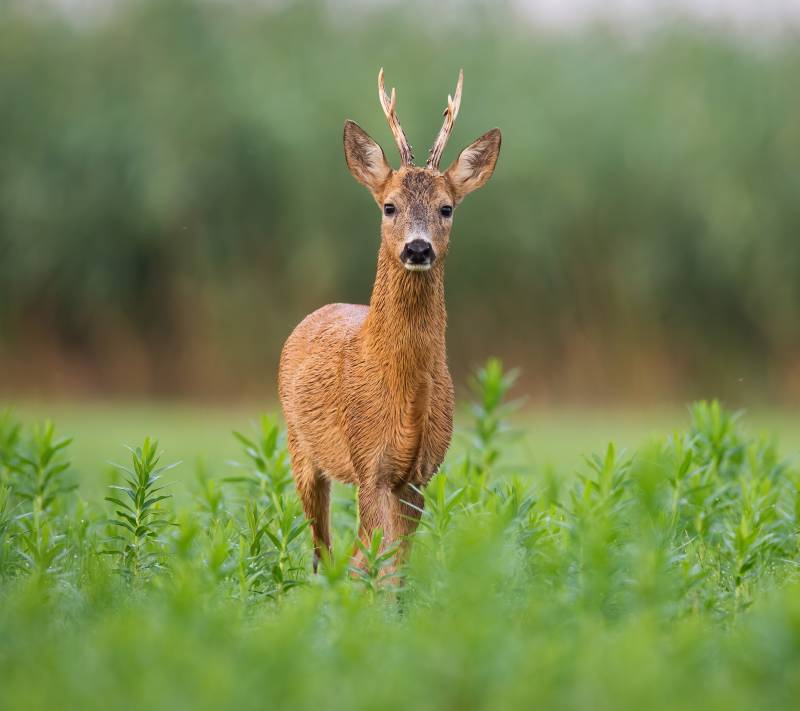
(174, 197)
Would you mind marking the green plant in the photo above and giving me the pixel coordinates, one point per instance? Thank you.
(210, 497)
(37, 469)
(36, 475)
(442, 505)
(490, 410)
(376, 564)
(7, 523)
(10, 430)
(267, 471)
(138, 514)
(273, 516)
(286, 526)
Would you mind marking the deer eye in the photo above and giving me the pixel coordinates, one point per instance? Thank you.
(446, 210)
(389, 209)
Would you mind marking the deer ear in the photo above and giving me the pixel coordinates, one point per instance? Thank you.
(475, 164)
(365, 158)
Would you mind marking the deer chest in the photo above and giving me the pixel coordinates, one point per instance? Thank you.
(415, 433)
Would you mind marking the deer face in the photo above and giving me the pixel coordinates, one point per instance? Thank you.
(417, 208)
(418, 204)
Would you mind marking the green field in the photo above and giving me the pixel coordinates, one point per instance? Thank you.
(665, 576)
(556, 438)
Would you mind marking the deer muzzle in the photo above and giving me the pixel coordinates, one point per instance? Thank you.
(417, 255)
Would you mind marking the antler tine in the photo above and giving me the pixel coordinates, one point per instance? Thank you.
(450, 113)
(388, 104)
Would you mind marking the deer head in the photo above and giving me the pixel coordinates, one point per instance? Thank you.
(418, 203)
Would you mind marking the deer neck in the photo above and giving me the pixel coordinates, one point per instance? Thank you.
(405, 329)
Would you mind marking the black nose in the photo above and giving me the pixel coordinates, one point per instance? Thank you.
(418, 251)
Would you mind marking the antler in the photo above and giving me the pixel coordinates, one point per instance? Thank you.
(450, 113)
(406, 155)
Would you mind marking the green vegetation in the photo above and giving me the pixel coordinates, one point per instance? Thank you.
(665, 577)
(172, 183)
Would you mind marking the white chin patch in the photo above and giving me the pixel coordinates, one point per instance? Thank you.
(416, 267)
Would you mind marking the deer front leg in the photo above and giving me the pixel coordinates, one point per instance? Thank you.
(396, 511)
(374, 511)
(374, 506)
(407, 507)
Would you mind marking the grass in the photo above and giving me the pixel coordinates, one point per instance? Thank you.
(664, 576)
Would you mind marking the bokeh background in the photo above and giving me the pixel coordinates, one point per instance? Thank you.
(174, 198)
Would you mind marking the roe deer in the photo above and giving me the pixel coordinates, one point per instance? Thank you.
(365, 390)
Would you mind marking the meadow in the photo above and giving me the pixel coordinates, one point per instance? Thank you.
(662, 573)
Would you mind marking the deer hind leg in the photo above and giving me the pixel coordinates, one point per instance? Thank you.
(314, 491)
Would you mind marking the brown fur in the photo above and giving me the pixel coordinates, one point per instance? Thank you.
(366, 392)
